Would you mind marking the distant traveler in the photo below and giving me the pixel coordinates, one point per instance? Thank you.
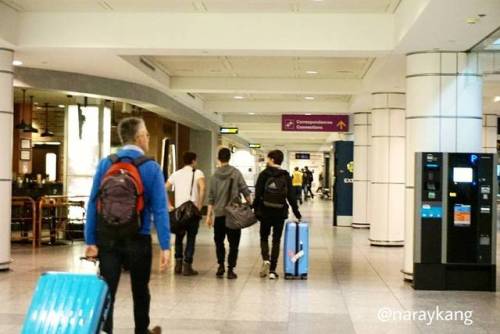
(225, 176)
(272, 191)
(308, 176)
(320, 180)
(128, 194)
(297, 184)
(188, 184)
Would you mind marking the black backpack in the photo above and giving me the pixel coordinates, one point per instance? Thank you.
(275, 192)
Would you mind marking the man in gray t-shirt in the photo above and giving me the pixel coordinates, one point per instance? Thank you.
(226, 183)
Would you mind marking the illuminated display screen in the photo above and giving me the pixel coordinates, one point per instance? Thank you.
(462, 175)
(431, 211)
(462, 215)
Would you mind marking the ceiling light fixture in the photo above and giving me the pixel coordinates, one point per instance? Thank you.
(61, 106)
(309, 98)
(312, 72)
(17, 62)
(308, 114)
(251, 113)
(472, 20)
(496, 99)
(238, 97)
(47, 133)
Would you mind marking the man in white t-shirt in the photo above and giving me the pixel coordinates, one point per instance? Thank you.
(188, 184)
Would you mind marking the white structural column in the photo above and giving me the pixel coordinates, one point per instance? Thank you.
(490, 132)
(387, 184)
(361, 179)
(6, 133)
(444, 102)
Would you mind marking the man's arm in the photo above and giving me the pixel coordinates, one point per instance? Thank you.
(201, 191)
(158, 201)
(211, 202)
(243, 188)
(91, 250)
(169, 187)
(91, 216)
(259, 189)
(292, 199)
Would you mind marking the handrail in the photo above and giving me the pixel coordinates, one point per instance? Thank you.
(54, 201)
(33, 212)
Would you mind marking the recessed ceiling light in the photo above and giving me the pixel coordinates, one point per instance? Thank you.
(310, 98)
(472, 20)
(251, 113)
(496, 99)
(238, 97)
(308, 114)
(61, 106)
(312, 72)
(17, 62)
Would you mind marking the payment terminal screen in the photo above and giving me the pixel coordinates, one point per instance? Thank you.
(462, 215)
(462, 175)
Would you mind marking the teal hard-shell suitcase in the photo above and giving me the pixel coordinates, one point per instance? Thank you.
(67, 303)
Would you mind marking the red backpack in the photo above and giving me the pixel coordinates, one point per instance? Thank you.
(120, 200)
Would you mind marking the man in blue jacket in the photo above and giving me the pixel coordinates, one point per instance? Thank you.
(136, 251)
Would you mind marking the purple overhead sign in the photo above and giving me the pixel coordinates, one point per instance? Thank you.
(315, 123)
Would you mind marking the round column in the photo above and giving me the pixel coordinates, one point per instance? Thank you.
(387, 169)
(444, 103)
(361, 177)
(6, 131)
(490, 132)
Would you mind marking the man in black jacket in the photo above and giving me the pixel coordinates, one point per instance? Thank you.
(272, 192)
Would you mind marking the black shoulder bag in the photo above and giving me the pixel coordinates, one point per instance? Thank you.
(186, 214)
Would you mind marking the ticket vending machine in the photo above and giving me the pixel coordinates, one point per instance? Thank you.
(455, 221)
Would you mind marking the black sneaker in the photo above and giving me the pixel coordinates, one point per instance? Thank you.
(220, 271)
(155, 330)
(231, 274)
(178, 266)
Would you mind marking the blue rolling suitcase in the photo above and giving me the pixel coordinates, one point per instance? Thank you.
(296, 250)
(66, 303)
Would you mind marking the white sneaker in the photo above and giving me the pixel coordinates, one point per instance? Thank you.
(273, 276)
(264, 271)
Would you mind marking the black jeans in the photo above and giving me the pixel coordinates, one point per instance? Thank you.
(138, 253)
(188, 253)
(298, 193)
(233, 236)
(266, 224)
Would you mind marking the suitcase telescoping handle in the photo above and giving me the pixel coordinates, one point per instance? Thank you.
(89, 259)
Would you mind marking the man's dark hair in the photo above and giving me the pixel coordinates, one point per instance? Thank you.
(296, 168)
(276, 156)
(188, 158)
(224, 155)
(127, 129)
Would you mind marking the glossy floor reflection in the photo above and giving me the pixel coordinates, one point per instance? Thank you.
(349, 283)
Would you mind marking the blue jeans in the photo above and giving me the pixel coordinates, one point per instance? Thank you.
(188, 253)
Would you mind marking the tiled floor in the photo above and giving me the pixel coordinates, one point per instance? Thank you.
(349, 283)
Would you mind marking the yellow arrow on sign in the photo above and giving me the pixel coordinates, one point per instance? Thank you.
(341, 125)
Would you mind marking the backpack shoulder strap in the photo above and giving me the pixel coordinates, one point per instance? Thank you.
(141, 160)
(114, 158)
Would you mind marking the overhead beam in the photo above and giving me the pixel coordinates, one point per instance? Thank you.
(9, 24)
(222, 33)
(266, 86)
(276, 107)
